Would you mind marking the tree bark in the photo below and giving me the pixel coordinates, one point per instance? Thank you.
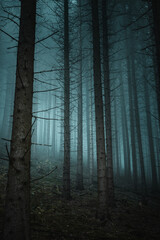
(127, 167)
(110, 186)
(132, 132)
(117, 155)
(17, 209)
(128, 34)
(156, 19)
(150, 133)
(138, 129)
(79, 183)
(66, 166)
(100, 140)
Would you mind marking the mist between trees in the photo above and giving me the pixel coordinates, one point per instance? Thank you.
(79, 94)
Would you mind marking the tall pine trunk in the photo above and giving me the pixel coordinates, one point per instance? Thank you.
(131, 116)
(127, 167)
(17, 209)
(79, 180)
(150, 133)
(100, 139)
(66, 166)
(156, 20)
(138, 128)
(110, 187)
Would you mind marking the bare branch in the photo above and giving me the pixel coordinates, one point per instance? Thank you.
(43, 39)
(49, 119)
(49, 90)
(9, 35)
(39, 144)
(51, 70)
(46, 110)
(37, 179)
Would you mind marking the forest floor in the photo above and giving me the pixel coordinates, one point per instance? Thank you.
(53, 218)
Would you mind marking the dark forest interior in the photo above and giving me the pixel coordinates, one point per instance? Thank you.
(80, 119)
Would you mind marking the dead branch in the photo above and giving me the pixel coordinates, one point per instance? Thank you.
(43, 39)
(37, 179)
(48, 90)
(51, 70)
(9, 35)
(40, 144)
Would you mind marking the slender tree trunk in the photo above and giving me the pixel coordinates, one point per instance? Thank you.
(127, 166)
(54, 131)
(116, 140)
(100, 139)
(88, 129)
(150, 135)
(89, 116)
(128, 34)
(132, 132)
(5, 131)
(110, 186)
(156, 19)
(79, 179)
(17, 210)
(137, 122)
(66, 166)
(92, 164)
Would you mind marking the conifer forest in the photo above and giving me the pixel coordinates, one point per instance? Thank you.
(80, 119)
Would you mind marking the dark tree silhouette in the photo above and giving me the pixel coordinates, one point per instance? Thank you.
(156, 19)
(66, 167)
(100, 140)
(17, 210)
(79, 179)
(110, 187)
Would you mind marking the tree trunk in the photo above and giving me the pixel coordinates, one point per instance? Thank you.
(88, 113)
(138, 129)
(156, 19)
(127, 167)
(54, 131)
(128, 35)
(17, 209)
(100, 140)
(150, 134)
(110, 187)
(79, 179)
(117, 154)
(66, 166)
(132, 132)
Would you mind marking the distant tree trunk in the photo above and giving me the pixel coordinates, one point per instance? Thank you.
(92, 164)
(150, 134)
(138, 129)
(126, 148)
(132, 132)
(17, 209)
(54, 131)
(79, 179)
(61, 140)
(66, 167)
(89, 115)
(100, 140)
(88, 129)
(116, 141)
(156, 19)
(128, 35)
(5, 131)
(46, 128)
(110, 186)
